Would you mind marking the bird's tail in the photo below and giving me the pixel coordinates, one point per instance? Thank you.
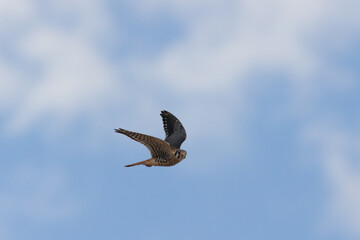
(146, 163)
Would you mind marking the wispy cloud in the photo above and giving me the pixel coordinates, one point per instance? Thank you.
(224, 42)
(338, 150)
(59, 70)
(53, 66)
(73, 78)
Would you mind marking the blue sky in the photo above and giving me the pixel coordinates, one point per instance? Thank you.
(268, 92)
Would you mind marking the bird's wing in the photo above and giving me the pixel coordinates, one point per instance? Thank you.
(157, 147)
(174, 130)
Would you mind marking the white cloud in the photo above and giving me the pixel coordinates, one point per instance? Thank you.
(340, 154)
(89, 19)
(73, 78)
(222, 43)
(225, 41)
(14, 11)
(60, 71)
(9, 85)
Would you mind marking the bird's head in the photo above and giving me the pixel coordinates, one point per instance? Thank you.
(180, 154)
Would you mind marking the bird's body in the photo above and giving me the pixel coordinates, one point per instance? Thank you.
(163, 152)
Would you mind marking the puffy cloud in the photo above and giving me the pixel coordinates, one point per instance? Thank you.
(225, 41)
(15, 11)
(53, 66)
(73, 78)
(221, 44)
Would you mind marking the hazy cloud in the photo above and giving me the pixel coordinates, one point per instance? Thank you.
(60, 71)
(52, 65)
(339, 154)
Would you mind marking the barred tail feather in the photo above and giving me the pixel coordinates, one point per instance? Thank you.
(139, 163)
(139, 138)
(120, 130)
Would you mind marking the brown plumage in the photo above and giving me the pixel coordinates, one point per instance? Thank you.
(163, 153)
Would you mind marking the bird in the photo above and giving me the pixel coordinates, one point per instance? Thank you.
(165, 152)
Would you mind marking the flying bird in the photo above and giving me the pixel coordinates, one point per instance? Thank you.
(166, 152)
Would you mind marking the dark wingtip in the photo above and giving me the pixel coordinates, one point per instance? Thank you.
(119, 130)
(164, 113)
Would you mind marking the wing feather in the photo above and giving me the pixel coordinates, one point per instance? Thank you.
(157, 147)
(174, 130)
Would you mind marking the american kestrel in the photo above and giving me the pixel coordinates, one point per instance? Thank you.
(163, 152)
